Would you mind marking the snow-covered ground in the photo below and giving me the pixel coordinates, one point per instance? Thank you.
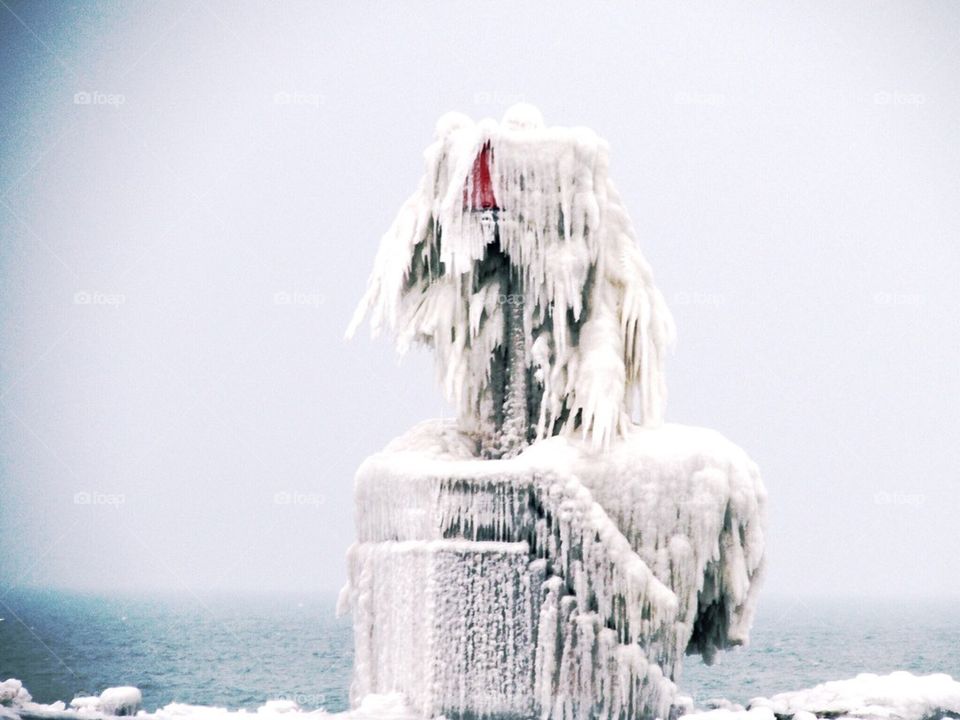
(16, 704)
(898, 696)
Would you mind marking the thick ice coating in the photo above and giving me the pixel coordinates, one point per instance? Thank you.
(561, 583)
(565, 575)
(545, 239)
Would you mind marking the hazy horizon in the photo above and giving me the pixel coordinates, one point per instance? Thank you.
(191, 196)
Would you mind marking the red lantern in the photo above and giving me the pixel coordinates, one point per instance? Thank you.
(481, 188)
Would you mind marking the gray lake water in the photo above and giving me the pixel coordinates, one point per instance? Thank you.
(241, 652)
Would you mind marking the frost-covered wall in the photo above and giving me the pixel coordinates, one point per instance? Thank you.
(561, 583)
(516, 261)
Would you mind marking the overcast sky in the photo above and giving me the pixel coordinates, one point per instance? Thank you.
(191, 195)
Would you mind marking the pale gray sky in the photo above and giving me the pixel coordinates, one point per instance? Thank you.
(182, 244)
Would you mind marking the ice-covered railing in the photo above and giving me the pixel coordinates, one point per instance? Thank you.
(690, 503)
(532, 291)
(606, 630)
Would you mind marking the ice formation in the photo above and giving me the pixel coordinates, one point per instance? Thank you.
(566, 578)
(562, 583)
(516, 261)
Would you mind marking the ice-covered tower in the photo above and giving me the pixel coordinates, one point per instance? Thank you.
(557, 549)
(515, 260)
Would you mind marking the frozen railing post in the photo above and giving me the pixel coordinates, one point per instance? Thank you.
(556, 550)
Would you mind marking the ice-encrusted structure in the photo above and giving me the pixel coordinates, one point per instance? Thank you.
(562, 583)
(544, 248)
(543, 555)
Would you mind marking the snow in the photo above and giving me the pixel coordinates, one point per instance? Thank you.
(120, 701)
(559, 582)
(759, 713)
(596, 328)
(86, 702)
(16, 704)
(899, 695)
(12, 692)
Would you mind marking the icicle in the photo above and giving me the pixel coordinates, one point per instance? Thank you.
(537, 564)
(541, 198)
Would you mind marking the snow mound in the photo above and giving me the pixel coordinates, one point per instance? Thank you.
(16, 704)
(541, 232)
(899, 695)
(758, 713)
(560, 583)
(120, 700)
(12, 692)
(86, 702)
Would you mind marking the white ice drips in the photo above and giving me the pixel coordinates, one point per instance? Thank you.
(597, 327)
(631, 557)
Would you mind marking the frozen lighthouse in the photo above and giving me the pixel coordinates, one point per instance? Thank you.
(557, 549)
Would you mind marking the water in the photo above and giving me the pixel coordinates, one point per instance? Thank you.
(797, 644)
(233, 653)
(240, 652)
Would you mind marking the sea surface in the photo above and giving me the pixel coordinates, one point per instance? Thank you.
(240, 652)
